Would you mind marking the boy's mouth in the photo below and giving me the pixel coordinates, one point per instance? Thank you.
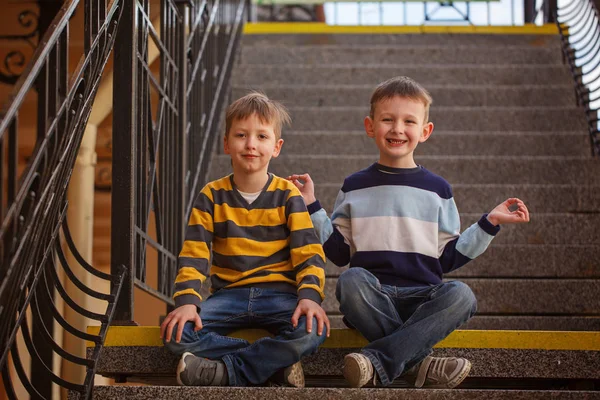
(396, 142)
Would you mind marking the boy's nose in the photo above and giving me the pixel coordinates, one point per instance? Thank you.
(250, 143)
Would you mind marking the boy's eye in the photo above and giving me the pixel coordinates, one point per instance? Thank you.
(410, 122)
(262, 136)
(387, 120)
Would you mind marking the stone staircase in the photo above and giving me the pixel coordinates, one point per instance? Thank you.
(506, 124)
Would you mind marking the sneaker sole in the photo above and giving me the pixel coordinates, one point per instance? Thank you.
(296, 376)
(456, 381)
(352, 372)
(180, 367)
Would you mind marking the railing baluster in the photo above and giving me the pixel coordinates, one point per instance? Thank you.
(124, 131)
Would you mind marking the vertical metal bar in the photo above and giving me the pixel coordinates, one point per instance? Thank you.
(42, 115)
(359, 13)
(550, 11)
(528, 11)
(124, 131)
(512, 12)
(39, 376)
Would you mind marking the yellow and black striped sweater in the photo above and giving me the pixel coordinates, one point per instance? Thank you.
(270, 243)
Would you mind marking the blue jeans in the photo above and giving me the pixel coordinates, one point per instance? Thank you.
(228, 310)
(402, 324)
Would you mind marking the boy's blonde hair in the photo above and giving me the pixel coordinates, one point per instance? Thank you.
(401, 86)
(268, 111)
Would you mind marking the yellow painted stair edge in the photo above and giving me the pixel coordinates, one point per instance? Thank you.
(347, 338)
(257, 28)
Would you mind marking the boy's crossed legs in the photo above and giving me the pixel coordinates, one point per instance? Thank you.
(228, 310)
(402, 325)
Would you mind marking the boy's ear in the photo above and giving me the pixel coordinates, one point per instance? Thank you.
(225, 144)
(369, 127)
(427, 131)
(277, 148)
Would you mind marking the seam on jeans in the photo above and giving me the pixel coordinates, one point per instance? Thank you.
(385, 381)
(230, 370)
(390, 297)
(285, 321)
(228, 338)
(226, 319)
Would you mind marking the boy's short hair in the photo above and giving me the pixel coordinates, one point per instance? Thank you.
(268, 111)
(401, 86)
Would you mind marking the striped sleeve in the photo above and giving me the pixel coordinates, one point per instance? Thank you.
(334, 235)
(195, 253)
(306, 252)
(455, 250)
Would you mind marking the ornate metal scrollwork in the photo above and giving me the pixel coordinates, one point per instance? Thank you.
(15, 60)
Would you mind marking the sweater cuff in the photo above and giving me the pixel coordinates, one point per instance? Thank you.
(311, 294)
(185, 299)
(487, 226)
(314, 207)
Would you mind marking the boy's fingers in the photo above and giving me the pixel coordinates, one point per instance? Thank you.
(163, 326)
(320, 323)
(169, 332)
(328, 325)
(180, 326)
(198, 322)
(309, 321)
(295, 317)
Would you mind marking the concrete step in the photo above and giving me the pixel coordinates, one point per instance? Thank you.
(271, 393)
(523, 261)
(455, 169)
(495, 354)
(427, 74)
(358, 54)
(552, 297)
(516, 322)
(472, 198)
(511, 119)
(449, 39)
(447, 143)
(443, 95)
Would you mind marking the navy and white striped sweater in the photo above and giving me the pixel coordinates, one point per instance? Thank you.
(400, 224)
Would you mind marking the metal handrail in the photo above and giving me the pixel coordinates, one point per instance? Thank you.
(33, 207)
(579, 26)
(161, 155)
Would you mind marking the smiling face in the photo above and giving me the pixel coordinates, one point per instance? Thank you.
(251, 143)
(398, 126)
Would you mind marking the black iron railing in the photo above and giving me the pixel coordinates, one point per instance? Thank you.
(165, 124)
(34, 270)
(579, 26)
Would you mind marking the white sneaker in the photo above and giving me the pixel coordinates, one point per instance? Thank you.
(358, 370)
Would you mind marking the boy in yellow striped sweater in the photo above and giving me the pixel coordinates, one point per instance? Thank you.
(266, 269)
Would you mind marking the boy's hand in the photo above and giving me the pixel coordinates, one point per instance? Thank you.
(502, 215)
(311, 309)
(307, 189)
(179, 317)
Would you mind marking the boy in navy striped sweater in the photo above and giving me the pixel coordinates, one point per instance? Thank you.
(398, 227)
(251, 233)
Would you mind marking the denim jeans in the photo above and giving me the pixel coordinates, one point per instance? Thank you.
(402, 324)
(228, 310)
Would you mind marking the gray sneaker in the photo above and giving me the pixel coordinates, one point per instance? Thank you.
(438, 372)
(290, 376)
(198, 371)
